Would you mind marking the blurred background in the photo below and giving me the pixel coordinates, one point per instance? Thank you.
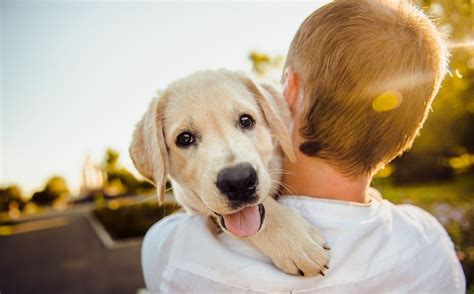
(77, 76)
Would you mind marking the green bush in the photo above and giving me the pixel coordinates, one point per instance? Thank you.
(132, 220)
(421, 167)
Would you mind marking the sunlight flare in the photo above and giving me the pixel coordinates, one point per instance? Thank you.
(387, 101)
(467, 44)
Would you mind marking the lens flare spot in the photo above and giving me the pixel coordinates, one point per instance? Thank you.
(113, 204)
(387, 101)
(458, 73)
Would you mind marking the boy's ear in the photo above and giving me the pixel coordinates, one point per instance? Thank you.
(291, 86)
(275, 111)
(148, 149)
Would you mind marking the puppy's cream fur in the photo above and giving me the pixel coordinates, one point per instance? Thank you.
(209, 104)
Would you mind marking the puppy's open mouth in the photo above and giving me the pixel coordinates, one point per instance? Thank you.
(245, 222)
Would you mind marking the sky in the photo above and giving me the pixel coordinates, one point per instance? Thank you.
(77, 76)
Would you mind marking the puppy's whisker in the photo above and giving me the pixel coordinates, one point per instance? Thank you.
(176, 208)
(280, 172)
(278, 169)
(289, 189)
(151, 197)
(209, 211)
(144, 200)
(281, 187)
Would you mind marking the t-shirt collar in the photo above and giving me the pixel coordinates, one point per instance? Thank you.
(331, 210)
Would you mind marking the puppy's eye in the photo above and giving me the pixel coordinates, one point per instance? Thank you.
(246, 121)
(185, 139)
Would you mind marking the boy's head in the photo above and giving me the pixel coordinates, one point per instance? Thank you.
(368, 70)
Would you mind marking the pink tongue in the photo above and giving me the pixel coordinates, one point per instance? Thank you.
(245, 222)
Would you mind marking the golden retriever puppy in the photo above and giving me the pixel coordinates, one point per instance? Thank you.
(219, 136)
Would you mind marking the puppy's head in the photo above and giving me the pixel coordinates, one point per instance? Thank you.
(214, 133)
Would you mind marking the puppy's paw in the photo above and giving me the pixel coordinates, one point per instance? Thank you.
(293, 245)
(301, 250)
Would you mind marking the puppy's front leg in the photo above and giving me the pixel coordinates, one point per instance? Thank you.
(293, 244)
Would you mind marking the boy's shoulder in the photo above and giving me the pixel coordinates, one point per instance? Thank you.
(423, 221)
(410, 216)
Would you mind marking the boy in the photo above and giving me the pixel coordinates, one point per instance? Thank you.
(360, 78)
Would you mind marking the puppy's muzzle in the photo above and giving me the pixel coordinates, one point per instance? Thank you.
(238, 183)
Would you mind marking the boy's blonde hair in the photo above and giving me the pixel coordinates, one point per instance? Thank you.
(369, 71)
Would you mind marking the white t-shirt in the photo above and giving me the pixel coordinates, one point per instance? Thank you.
(375, 248)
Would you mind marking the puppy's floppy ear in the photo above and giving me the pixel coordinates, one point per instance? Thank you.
(148, 149)
(276, 112)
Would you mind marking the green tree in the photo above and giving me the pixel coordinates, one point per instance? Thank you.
(119, 180)
(263, 64)
(111, 159)
(56, 188)
(448, 131)
(9, 196)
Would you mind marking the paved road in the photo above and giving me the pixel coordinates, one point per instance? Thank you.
(67, 259)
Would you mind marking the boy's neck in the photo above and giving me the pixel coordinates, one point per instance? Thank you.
(314, 177)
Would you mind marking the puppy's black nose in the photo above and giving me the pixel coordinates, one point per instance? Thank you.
(238, 183)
